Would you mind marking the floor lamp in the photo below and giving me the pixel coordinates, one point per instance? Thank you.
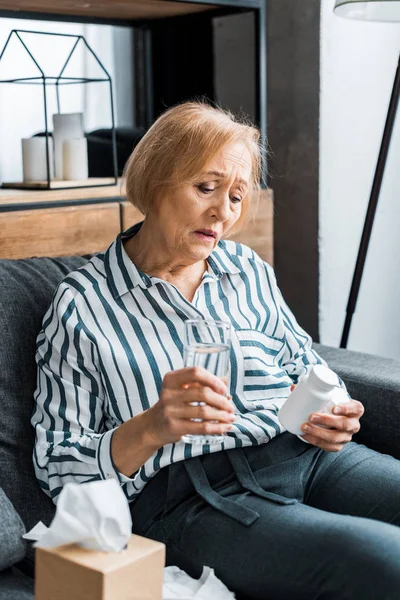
(371, 10)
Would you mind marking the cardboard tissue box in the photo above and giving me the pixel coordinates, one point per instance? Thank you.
(74, 573)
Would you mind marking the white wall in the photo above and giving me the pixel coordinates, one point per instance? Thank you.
(358, 63)
(114, 48)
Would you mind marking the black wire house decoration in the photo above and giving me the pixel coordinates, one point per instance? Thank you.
(59, 80)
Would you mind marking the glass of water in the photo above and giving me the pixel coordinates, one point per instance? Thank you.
(207, 345)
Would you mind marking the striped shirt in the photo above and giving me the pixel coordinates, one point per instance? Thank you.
(112, 332)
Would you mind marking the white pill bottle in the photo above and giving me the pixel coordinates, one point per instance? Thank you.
(318, 391)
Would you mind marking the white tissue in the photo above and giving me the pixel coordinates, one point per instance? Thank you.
(179, 586)
(94, 515)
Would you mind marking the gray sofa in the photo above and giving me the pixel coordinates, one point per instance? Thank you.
(26, 289)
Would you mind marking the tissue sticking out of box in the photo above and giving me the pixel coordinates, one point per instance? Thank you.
(178, 585)
(93, 515)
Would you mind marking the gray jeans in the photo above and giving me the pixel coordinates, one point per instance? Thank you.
(282, 521)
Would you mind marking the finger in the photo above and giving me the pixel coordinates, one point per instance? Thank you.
(206, 395)
(353, 408)
(187, 386)
(205, 428)
(348, 424)
(200, 412)
(292, 387)
(181, 377)
(208, 413)
(323, 444)
(331, 436)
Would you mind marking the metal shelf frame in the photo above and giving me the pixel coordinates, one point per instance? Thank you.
(225, 7)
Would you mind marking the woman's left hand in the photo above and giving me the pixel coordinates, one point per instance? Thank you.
(342, 424)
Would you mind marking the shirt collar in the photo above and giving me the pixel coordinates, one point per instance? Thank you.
(123, 275)
(222, 262)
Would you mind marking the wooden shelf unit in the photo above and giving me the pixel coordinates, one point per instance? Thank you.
(126, 10)
(79, 221)
(15, 199)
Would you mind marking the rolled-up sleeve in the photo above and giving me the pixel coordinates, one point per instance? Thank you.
(72, 441)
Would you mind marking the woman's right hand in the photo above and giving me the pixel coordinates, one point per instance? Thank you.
(171, 417)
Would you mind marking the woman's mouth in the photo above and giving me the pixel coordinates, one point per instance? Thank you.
(206, 234)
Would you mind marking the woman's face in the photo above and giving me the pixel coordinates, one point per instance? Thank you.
(194, 217)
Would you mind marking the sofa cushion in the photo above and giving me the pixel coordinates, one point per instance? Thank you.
(26, 290)
(14, 585)
(12, 546)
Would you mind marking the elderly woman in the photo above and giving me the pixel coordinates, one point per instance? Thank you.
(276, 517)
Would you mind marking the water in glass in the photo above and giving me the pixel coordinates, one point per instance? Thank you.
(208, 346)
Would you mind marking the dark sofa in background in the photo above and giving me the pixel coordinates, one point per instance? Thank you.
(26, 289)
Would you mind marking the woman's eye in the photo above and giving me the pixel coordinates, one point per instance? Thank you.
(235, 200)
(205, 190)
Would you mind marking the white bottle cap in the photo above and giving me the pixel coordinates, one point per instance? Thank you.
(339, 396)
(323, 378)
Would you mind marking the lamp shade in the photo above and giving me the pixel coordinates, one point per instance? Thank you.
(369, 10)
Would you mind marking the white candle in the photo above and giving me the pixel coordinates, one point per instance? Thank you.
(34, 161)
(75, 159)
(66, 126)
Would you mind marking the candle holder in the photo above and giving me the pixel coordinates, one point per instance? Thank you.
(58, 81)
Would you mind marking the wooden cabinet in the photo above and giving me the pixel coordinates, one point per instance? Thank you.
(58, 231)
(58, 222)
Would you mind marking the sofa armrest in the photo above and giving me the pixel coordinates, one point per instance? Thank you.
(375, 381)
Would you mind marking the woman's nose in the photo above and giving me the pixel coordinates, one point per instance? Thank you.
(222, 207)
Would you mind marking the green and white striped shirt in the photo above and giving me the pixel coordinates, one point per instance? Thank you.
(112, 333)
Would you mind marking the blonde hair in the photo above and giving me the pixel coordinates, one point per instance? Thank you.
(177, 147)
